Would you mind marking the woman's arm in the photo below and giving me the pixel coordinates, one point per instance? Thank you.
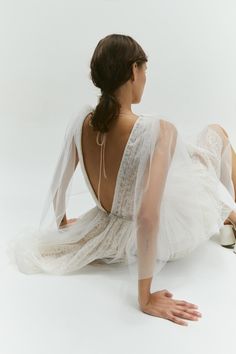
(64, 221)
(59, 198)
(158, 303)
(68, 222)
(144, 290)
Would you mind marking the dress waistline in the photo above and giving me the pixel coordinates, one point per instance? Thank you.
(125, 217)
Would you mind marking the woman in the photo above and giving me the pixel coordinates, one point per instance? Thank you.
(157, 197)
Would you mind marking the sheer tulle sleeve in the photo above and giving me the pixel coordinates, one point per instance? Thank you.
(60, 193)
(64, 180)
(158, 151)
(56, 199)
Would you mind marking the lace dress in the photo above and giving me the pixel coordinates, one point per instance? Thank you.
(188, 196)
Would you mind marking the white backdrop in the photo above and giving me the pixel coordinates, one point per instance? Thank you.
(45, 50)
(46, 47)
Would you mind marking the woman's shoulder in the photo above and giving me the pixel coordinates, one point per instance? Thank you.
(76, 119)
(157, 119)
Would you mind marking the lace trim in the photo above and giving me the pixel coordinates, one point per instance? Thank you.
(123, 194)
(208, 149)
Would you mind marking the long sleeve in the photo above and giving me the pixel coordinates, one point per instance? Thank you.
(59, 190)
(159, 152)
(59, 200)
(65, 183)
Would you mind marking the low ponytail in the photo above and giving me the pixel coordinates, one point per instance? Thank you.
(106, 111)
(111, 67)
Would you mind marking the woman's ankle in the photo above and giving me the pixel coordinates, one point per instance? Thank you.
(232, 217)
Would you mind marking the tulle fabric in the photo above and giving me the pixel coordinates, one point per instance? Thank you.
(171, 196)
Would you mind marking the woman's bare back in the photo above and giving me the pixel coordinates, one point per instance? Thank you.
(116, 141)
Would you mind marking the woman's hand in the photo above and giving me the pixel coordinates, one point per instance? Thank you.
(68, 223)
(161, 304)
(72, 221)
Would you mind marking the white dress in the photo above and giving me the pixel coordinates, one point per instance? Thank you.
(188, 197)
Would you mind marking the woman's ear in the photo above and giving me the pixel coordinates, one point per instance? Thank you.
(134, 68)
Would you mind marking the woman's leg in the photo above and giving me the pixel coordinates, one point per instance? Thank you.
(233, 167)
(225, 136)
(232, 215)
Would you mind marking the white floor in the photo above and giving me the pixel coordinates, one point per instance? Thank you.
(96, 310)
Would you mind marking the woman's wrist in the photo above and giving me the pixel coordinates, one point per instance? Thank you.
(144, 287)
(63, 221)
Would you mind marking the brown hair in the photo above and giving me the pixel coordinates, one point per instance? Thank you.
(111, 66)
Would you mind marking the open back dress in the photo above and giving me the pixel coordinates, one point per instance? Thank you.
(170, 196)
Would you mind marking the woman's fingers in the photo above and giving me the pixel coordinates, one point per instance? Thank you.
(194, 312)
(185, 303)
(168, 294)
(72, 220)
(186, 315)
(161, 304)
(176, 319)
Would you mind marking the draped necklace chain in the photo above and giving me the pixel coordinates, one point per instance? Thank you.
(102, 145)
